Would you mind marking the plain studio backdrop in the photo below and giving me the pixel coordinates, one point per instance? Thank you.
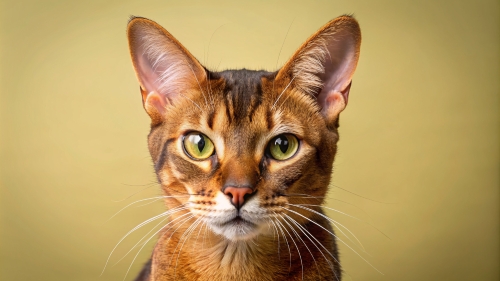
(417, 174)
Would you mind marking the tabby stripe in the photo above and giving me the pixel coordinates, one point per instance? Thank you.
(256, 101)
(289, 182)
(163, 155)
(210, 119)
(269, 120)
(228, 111)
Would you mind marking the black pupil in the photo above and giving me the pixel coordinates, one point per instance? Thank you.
(282, 141)
(201, 142)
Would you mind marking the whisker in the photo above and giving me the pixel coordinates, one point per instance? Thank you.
(199, 231)
(301, 197)
(300, 238)
(149, 203)
(210, 41)
(296, 247)
(289, 83)
(298, 224)
(335, 210)
(319, 198)
(208, 54)
(146, 199)
(170, 237)
(210, 94)
(199, 85)
(287, 244)
(143, 237)
(307, 233)
(275, 233)
(390, 203)
(135, 257)
(190, 231)
(294, 195)
(357, 207)
(137, 227)
(179, 225)
(137, 192)
(218, 65)
(182, 236)
(335, 223)
(209, 91)
(282, 44)
(253, 242)
(335, 237)
(204, 237)
(197, 105)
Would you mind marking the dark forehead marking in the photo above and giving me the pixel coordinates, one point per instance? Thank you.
(212, 76)
(256, 101)
(161, 161)
(269, 119)
(210, 119)
(243, 91)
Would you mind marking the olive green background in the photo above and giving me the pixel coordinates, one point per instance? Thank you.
(419, 150)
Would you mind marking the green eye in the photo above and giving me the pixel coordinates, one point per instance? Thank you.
(283, 146)
(198, 146)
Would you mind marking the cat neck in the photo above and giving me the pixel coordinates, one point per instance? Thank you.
(230, 255)
(204, 255)
(197, 253)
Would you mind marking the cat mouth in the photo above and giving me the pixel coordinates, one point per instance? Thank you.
(238, 221)
(236, 228)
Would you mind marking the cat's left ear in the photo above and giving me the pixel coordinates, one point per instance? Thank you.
(324, 65)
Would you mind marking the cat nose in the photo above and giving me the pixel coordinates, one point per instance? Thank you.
(237, 195)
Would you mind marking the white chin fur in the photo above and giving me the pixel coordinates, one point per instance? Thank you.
(233, 232)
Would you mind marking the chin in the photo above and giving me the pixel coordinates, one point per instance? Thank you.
(237, 229)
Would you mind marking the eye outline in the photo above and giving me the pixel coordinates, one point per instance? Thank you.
(268, 147)
(189, 154)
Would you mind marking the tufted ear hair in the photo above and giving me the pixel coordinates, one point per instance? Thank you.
(324, 65)
(164, 68)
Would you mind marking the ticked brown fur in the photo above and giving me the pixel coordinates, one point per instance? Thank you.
(280, 233)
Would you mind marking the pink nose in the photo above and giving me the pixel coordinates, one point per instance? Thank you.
(237, 194)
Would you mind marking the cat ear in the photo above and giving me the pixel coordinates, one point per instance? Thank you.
(324, 65)
(165, 68)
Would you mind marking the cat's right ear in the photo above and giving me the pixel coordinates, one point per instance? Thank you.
(164, 68)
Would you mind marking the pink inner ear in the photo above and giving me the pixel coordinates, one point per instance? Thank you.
(149, 48)
(339, 64)
(145, 72)
(161, 68)
(157, 101)
(162, 65)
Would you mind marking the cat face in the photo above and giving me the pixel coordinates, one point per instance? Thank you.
(236, 147)
(231, 136)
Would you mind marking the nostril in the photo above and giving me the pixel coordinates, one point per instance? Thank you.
(228, 193)
(247, 196)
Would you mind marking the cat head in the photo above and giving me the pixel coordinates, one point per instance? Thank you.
(236, 147)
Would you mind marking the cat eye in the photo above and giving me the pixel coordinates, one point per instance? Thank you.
(198, 146)
(283, 146)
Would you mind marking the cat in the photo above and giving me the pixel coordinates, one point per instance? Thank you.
(244, 157)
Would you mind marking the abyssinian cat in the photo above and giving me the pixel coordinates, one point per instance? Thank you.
(244, 157)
